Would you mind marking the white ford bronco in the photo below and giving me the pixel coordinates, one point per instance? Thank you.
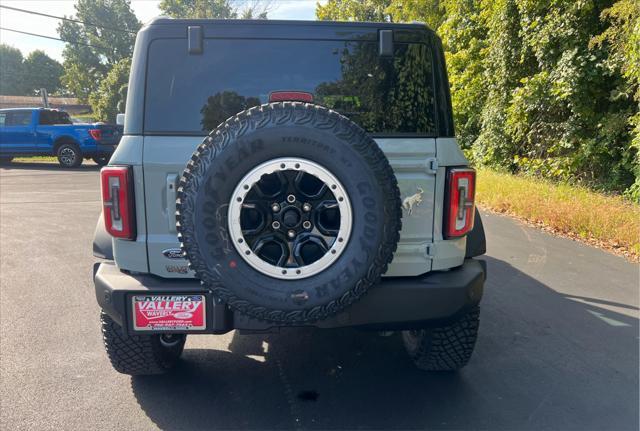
(282, 173)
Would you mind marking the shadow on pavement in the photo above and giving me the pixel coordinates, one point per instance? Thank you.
(542, 361)
(48, 166)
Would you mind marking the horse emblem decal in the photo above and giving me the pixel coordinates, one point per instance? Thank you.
(412, 201)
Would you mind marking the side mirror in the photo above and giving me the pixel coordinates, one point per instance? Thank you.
(120, 119)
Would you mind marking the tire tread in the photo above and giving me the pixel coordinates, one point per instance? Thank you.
(136, 354)
(447, 348)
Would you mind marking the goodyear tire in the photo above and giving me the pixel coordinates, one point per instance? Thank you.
(288, 212)
(139, 355)
(446, 348)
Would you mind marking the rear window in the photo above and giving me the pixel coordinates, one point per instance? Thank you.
(54, 117)
(192, 94)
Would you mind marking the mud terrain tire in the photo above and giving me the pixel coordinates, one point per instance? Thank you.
(447, 348)
(139, 355)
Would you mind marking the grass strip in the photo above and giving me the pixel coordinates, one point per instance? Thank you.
(610, 222)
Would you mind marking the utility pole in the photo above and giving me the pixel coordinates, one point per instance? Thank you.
(45, 97)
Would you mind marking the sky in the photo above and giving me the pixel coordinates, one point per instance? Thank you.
(144, 10)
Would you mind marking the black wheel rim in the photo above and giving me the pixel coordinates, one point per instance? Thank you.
(291, 218)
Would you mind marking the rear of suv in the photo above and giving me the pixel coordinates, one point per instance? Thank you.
(278, 174)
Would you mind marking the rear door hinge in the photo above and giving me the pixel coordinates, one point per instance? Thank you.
(432, 165)
(430, 251)
(172, 193)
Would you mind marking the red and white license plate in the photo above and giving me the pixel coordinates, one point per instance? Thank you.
(169, 312)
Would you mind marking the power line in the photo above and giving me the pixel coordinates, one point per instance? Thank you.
(53, 38)
(67, 19)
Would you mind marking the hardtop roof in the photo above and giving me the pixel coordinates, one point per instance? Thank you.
(163, 27)
(164, 20)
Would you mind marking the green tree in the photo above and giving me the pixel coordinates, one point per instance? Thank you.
(463, 33)
(622, 39)
(431, 12)
(11, 71)
(222, 106)
(354, 10)
(567, 116)
(502, 72)
(216, 9)
(122, 98)
(257, 9)
(94, 49)
(111, 95)
(221, 9)
(41, 71)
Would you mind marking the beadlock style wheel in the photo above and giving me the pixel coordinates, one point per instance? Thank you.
(290, 218)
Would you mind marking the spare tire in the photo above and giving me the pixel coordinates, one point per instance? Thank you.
(289, 212)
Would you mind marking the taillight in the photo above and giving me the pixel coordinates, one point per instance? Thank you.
(96, 134)
(461, 186)
(290, 96)
(117, 201)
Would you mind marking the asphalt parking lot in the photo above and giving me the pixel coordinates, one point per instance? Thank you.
(558, 346)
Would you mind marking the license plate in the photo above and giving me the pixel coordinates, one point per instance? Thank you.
(169, 312)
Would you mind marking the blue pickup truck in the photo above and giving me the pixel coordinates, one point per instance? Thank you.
(28, 132)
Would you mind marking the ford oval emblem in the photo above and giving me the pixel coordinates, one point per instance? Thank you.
(173, 253)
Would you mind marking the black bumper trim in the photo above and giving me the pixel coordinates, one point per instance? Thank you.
(395, 303)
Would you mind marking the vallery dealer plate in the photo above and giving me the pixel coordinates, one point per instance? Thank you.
(169, 312)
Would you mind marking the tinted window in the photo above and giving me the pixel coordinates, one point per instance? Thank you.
(54, 117)
(18, 118)
(194, 93)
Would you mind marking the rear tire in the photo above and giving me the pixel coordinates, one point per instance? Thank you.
(69, 155)
(101, 160)
(139, 355)
(447, 348)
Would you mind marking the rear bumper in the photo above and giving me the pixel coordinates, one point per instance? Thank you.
(396, 303)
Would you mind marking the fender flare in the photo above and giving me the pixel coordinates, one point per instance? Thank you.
(476, 240)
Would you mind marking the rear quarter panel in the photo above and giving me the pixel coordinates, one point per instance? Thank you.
(446, 253)
(132, 255)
